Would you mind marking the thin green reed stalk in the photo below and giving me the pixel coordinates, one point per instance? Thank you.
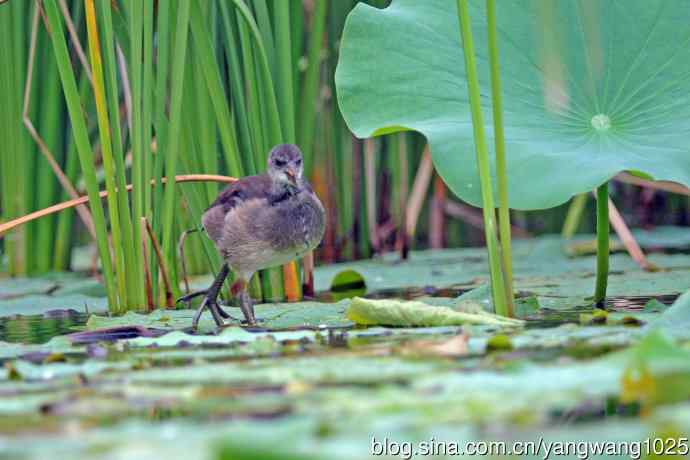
(8, 120)
(297, 40)
(310, 87)
(147, 109)
(237, 93)
(14, 155)
(211, 73)
(284, 82)
(196, 201)
(147, 134)
(497, 283)
(178, 70)
(275, 134)
(163, 38)
(245, 96)
(263, 21)
(267, 104)
(574, 216)
(253, 98)
(211, 98)
(501, 174)
(134, 271)
(285, 91)
(204, 122)
(25, 194)
(135, 9)
(65, 219)
(603, 231)
(337, 140)
(81, 137)
(200, 154)
(49, 126)
(107, 153)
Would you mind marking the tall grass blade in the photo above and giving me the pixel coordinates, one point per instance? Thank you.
(107, 153)
(81, 136)
(134, 271)
(178, 69)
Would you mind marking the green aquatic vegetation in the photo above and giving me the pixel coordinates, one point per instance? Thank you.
(272, 316)
(336, 386)
(501, 277)
(227, 336)
(575, 91)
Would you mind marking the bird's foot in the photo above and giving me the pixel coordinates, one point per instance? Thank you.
(258, 322)
(217, 313)
(247, 307)
(187, 298)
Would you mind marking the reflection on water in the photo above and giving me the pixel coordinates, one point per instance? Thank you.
(40, 328)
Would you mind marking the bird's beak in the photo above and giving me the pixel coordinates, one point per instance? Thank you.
(291, 175)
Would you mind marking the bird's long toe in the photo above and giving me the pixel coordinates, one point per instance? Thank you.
(216, 313)
(188, 297)
(208, 303)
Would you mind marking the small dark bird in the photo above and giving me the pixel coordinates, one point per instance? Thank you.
(259, 222)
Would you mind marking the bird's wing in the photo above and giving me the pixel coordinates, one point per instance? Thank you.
(236, 193)
(246, 188)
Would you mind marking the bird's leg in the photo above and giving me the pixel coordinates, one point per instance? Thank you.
(210, 299)
(239, 289)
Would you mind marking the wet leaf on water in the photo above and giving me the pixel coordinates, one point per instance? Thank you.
(392, 312)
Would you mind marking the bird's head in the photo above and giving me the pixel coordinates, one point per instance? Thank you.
(285, 164)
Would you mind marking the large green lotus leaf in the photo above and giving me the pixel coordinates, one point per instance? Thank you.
(590, 88)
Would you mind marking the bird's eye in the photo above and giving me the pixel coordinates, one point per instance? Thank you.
(279, 163)
(299, 162)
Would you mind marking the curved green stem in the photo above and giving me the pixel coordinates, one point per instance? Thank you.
(602, 244)
(574, 216)
(497, 283)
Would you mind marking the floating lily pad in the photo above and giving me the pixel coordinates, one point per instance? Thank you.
(40, 304)
(227, 336)
(270, 316)
(305, 390)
